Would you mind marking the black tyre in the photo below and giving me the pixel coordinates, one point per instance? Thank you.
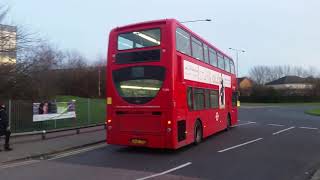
(197, 133)
(228, 123)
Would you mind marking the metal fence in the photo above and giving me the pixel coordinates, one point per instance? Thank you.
(20, 114)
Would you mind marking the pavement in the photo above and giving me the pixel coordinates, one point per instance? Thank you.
(270, 142)
(34, 147)
(316, 175)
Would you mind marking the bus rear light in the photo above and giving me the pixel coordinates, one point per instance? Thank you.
(169, 130)
(169, 122)
(109, 121)
(109, 127)
(186, 132)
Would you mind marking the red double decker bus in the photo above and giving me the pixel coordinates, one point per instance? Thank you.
(166, 86)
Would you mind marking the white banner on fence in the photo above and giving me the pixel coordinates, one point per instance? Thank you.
(46, 111)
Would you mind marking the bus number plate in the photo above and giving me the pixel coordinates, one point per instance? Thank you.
(138, 141)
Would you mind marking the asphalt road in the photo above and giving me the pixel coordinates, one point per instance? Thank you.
(275, 143)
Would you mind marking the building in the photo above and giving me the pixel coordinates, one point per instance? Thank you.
(291, 82)
(245, 86)
(8, 44)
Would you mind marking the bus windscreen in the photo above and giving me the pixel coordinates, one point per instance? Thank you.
(139, 39)
(139, 84)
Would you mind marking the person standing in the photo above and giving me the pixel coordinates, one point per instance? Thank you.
(4, 127)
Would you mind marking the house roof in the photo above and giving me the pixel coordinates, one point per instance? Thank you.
(242, 78)
(288, 80)
(8, 28)
(239, 80)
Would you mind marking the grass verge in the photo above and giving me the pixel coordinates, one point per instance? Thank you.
(314, 112)
(282, 104)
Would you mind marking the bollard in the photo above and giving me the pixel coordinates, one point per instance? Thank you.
(105, 125)
(89, 113)
(78, 131)
(10, 116)
(43, 135)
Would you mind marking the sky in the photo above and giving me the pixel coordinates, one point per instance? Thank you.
(272, 32)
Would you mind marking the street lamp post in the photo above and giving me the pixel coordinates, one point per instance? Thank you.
(198, 20)
(237, 57)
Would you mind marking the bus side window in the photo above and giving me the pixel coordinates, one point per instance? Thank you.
(213, 57)
(197, 49)
(227, 64)
(206, 54)
(207, 97)
(198, 99)
(214, 99)
(190, 98)
(183, 41)
(220, 62)
(231, 67)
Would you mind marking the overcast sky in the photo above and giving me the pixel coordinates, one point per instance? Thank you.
(273, 32)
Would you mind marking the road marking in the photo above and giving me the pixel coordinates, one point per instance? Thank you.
(23, 163)
(18, 164)
(311, 128)
(239, 145)
(77, 152)
(279, 125)
(250, 122)
(283, 130)
(166, 172)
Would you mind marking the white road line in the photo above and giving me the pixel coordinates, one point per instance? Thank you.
(18, 164)
(166, 172)
(77, 152)
(311, 128)
(5, 166)
(244, 124)
(279, 125)
(239, 145)
(283, 130)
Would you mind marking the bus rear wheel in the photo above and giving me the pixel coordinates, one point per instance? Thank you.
(197, 133)
(228, 123)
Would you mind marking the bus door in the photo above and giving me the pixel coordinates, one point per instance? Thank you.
(234, 107)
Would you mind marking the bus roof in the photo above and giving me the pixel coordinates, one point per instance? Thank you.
(167, 21)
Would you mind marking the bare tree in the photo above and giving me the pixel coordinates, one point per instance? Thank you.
(3, 12)
(73, 60)
(17, 54)
(264, 74)
(38, 69)
(259, 74)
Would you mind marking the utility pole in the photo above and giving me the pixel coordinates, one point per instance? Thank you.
(99, 83)
(237, 57)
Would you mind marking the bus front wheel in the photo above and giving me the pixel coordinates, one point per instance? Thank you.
(197, 133)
